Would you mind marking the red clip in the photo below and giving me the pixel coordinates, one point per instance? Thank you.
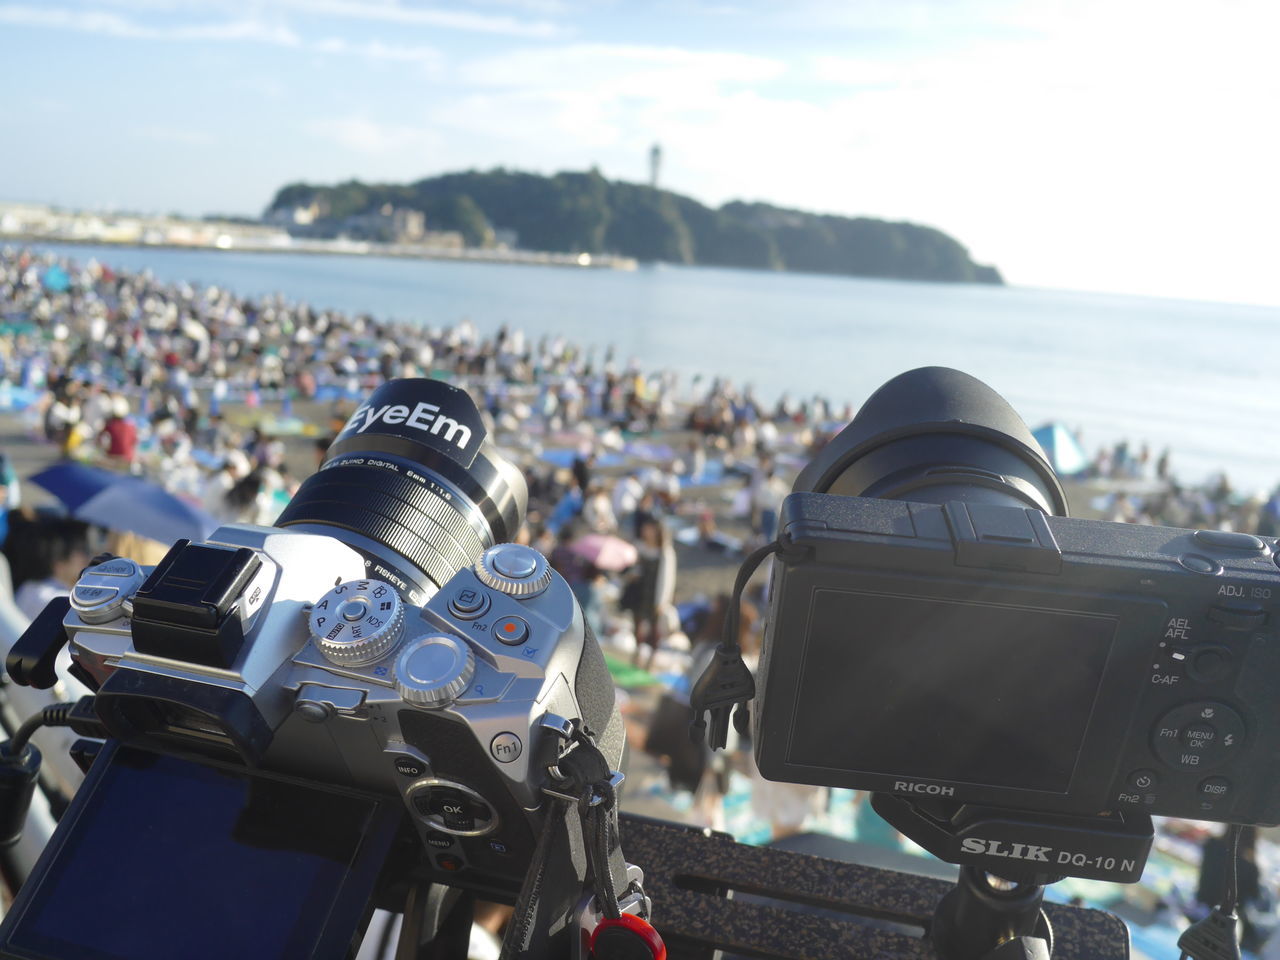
(620, 938)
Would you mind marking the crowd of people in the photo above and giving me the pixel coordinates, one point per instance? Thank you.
(644, 490)
(127, 371)
(228, 401)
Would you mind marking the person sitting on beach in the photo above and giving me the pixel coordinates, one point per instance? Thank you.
(53, 553)
(597, 512)
(649, 595)
(9, 498)
(119, 436)
(62, 413)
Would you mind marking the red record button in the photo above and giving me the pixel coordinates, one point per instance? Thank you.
(511, 630)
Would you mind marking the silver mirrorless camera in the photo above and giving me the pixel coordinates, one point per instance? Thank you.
(381, 637)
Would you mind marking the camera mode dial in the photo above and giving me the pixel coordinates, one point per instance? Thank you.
(432, 670)
(357, 622)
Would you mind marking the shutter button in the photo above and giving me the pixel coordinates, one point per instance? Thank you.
(516, 564)
(514, 569)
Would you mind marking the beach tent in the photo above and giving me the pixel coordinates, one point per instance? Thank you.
(55, 279)
(1061, 447)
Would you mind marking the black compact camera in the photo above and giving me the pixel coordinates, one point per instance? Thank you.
(940, 631)
(377, 692)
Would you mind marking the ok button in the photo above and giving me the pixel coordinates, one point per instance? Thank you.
(1199, 736)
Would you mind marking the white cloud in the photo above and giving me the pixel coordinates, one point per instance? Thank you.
(253, 31)
(546, 8)
(619, 70)
(113, 25)
(429, 57)
(105, 22)
(392, 11)
(365, 136)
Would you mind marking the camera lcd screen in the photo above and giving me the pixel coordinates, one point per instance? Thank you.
(168, 858)
(947, 690)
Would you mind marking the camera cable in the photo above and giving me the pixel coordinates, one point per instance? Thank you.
(76, 714)
(726, 685)
(1215, 937)
(20, 759)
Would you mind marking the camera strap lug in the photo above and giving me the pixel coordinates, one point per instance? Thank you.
(578, 853)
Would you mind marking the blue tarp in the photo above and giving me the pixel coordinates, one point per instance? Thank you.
(55, 279)
(1065, 454)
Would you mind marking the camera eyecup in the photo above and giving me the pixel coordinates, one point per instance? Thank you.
(933, 435)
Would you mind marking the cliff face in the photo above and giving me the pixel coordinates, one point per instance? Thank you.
(584, 212)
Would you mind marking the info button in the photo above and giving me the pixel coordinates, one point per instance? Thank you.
(410, 767)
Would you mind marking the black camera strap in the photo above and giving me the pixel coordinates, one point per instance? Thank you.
(578, 851)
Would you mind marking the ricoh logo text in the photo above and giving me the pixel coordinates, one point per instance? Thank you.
(932, 789)
(425, 417)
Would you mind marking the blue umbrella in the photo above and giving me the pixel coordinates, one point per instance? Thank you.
(122, 502)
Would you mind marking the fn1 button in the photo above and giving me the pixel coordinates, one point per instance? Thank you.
(506, 747)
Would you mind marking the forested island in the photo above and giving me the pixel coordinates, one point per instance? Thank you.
(585, 213)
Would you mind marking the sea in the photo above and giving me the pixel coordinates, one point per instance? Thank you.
(1196, 378)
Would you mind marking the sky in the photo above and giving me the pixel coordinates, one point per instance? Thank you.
(1111, 145)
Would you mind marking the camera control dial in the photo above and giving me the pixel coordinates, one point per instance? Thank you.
(104, 592)
(514, 569)
(432, 670)
(452, 808)
(357, 622)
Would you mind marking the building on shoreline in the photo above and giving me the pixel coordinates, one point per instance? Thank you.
(385, 233)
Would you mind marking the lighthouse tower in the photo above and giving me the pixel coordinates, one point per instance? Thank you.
(655, 164)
